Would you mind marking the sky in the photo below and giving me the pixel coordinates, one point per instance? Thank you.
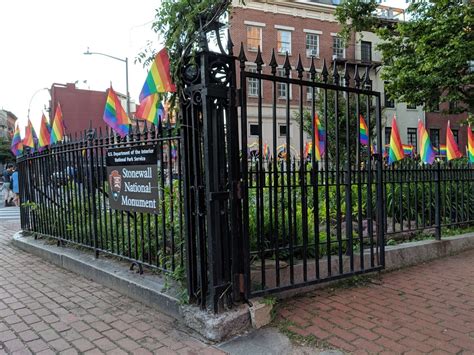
(42, 42)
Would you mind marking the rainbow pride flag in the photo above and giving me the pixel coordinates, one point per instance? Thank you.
(148, 109)
(17, 144)
(44, 137)
(266, 151)
(307, 149)
(408, 149)
(363, 131)
(395, 152)
(114, 114)
(319, 138)
(426, 151)
(57, 131)
(452, 149)
(159, 77)
(470, 144)
(30, 136)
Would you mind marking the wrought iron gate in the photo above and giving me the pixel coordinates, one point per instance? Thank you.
(277, 216)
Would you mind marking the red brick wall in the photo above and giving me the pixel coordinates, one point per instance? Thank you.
(79, 107)
(238, 30)
(439, 120)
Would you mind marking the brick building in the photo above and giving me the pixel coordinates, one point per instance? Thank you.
(81, 108)
(309, 28)
(7, 124)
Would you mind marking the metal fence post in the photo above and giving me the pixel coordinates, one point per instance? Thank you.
(438, 201)
(92, 187)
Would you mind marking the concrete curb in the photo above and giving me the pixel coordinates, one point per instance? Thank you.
(147, 289)
(413, 253)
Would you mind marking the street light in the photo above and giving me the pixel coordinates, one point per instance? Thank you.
(126, 73)
(31, 100)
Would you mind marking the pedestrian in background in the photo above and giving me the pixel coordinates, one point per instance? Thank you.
(7, 191)
(15, 187)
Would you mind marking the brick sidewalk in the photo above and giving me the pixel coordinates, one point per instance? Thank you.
(45, 310)
(428, 308)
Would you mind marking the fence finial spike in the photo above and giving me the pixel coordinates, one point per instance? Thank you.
(299, 68)
(325, 72)
(312, 70)
(335, 73)
(242, 57)
(230, 44)
(273, 62)
(347, 77)
(259, 60)
(287, 65)
(357, 76)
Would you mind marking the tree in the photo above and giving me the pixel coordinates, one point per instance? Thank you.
(5, 152)
(426, 58)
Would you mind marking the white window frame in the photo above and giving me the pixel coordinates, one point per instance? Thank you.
(259, 28)
(279, 130)
(335, 49)
(251, 82)
(281, 50)
(309, 93)
(281, 73)
(312, 52)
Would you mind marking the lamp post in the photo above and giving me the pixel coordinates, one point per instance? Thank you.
(126, 73)
(31, 100)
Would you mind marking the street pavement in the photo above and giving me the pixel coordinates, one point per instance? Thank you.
(9, 214)
(428, 308)
(47, 310)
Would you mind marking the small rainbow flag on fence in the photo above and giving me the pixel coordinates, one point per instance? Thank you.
(44, 137)
(426, 151)
(17, 144)
(363, 131)
(395, 149)
(307, 149)
(266, 151)
(148, 109)
(114, 114)
(470, 144)
(30, 136)
(159, 77)
(319, 138)
(452, 149)
(57, 131)
(408, 149)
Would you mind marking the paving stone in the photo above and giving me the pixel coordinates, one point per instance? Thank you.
(46, 310)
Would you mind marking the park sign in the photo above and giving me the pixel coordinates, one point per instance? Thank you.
(132, 176)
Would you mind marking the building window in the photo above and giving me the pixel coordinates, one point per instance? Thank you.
(453, 105)
(411, 106)
(309, 90)
(254, 131)
(284, 42)
(388, 103)
(254, 38)
(282, 129)
(456, 135)
(312, 45)
(434, 137)
(252, 83)
(388, 133)
(338, 49)
(366, 51)
(281, 87)
(412, 138)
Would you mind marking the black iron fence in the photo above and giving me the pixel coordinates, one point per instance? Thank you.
(65, 195)
(241, 223)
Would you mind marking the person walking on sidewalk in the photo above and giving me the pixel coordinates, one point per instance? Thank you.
(7, 192)
(15, 187)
